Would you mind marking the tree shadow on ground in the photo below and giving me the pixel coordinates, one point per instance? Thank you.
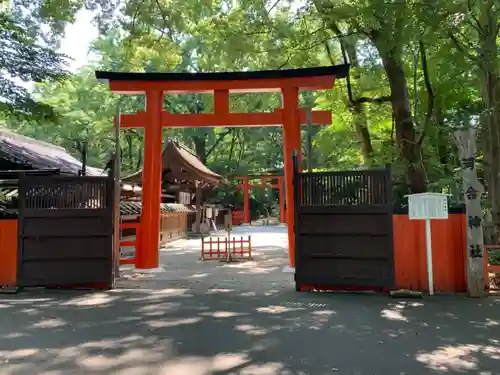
(170, 330)
(241, 319)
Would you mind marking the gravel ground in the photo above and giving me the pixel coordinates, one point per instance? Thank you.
(245, 318)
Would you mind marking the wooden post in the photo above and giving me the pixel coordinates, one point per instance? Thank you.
(281, 190)
(117, 196)
(85, 146)
(246, 201)
(202, 248)
(473, 189)
(197, 224)
(309, 139)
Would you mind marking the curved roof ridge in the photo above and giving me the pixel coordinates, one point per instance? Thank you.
(185, 159)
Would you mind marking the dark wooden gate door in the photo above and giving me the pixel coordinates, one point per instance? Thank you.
(65, 231)
(343, 231)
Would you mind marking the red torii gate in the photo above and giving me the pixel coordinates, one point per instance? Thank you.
(246, 186)
(155, 85)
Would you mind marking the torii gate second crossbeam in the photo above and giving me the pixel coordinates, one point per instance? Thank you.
(155, 85)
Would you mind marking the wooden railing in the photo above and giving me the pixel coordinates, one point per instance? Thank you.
(217, 248)
(134, 242)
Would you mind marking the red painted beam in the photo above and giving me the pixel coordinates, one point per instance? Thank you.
(130, 260)
(221, 102)
(270, 186)
(233, 86)
(128, 243)
(130, 225)
(140, 119)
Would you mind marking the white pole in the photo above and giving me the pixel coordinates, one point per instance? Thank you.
(429, 256)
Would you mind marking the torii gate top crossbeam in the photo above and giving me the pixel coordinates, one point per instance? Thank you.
(321, 78)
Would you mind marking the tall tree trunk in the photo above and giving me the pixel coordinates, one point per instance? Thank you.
(361, 125)
(233, 143)
(408, 146)
(492, 153)
(489, 76)
(356, 107)
(139, 157)
(200, 148)
(197, 224)
(441, 138)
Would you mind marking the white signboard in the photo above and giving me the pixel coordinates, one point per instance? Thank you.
(427, 206)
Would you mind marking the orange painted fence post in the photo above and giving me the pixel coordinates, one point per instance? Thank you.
(8, 252)
(136, 242)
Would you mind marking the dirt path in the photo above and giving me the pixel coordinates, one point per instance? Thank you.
(182, 266)
(246, 319)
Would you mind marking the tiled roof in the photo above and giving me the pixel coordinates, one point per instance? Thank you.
(36, 154)
(128, 208)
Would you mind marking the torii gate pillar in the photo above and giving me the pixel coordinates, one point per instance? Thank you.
(292, 141)
(147, 255)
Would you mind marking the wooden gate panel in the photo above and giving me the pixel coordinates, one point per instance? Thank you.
(74, 223)
(339, 273)
(337, 224)
(66, 272)
(65, 231)
(348, 246)
(344, 231)
(46, 248)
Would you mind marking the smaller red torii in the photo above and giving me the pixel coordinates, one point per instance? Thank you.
(246, 186)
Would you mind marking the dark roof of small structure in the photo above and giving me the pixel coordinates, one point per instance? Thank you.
(181, 166)
(34, 154)
(340, 71)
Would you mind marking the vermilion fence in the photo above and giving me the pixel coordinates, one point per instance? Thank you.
(216, 248)
(8, 252)
(448, 253)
